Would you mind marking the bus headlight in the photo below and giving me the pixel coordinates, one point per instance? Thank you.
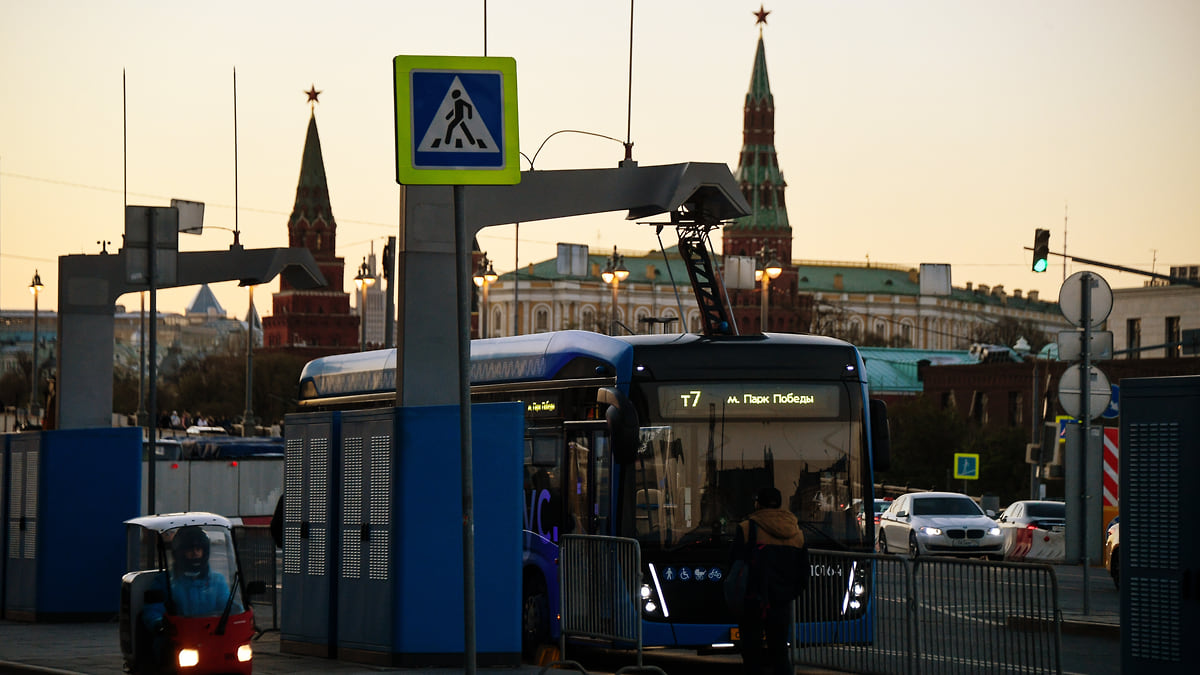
(856, 590)
(245, 653)
(188, 658)
(652, 597)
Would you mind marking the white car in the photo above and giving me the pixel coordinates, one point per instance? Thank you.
(938, 523)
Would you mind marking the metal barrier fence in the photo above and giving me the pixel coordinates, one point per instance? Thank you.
(600, 582)
(932, 615)
(260, 562)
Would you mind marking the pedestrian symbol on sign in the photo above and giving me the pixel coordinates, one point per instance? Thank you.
(456, 127)
(456, 120)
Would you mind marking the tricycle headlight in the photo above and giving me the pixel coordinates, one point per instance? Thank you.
(188, 658)
(245, 653)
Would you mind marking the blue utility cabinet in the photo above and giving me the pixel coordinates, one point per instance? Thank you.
(311, 456)
(392, 593)
(1159, 553)
(68, 494)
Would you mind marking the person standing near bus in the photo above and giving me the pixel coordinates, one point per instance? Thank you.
(778, 563)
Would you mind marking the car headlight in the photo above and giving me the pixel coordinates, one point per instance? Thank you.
(933, 531)
(188, 658)
(994, 531)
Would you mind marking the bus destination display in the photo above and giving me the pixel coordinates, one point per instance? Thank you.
(749, 400)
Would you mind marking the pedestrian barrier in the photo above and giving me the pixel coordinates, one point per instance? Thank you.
(1024, 544)
(1047, 546)
(600, 582)
(259, 562)
(933, 615)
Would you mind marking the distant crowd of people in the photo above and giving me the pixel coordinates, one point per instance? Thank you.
(181, 421)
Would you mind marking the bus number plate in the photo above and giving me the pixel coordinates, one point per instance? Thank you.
(735, 634)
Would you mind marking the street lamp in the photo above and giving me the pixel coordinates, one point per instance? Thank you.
(486, 276)
(35, 287)
(614, 273)
(772, 270)
(362, 281)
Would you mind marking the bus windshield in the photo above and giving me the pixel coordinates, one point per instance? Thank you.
(709, 448)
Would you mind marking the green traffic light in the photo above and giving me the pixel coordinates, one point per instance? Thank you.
(1041, 250)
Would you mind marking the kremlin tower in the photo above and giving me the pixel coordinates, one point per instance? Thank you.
(765, 234)
(313, 322)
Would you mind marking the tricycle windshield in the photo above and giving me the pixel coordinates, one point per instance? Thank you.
(203, 571)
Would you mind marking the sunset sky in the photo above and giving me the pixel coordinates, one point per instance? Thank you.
(908, 131)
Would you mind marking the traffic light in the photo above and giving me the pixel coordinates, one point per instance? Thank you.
(1041, 250)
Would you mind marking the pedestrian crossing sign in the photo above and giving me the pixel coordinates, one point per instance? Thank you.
(456, 120)
(966, 466)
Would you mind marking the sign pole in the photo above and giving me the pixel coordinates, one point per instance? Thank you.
(462, 249)
(1085, 301)
(152, 367)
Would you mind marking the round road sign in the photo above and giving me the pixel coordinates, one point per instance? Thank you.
(1070, 298)
(1070, 391)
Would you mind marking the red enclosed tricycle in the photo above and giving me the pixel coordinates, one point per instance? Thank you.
(182, 602)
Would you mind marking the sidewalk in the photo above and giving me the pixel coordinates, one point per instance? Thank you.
(95, 649)
(1103, 618)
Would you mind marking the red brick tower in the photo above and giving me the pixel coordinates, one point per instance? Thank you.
(319, 321)
(766, 230)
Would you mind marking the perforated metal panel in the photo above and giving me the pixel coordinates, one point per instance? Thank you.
(293, 480)
(381, 507)
(14, 505)
(1152, 499)
(1154, 623)
(352, 507)
(30, 516)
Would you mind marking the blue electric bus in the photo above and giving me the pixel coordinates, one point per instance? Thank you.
(666, 439)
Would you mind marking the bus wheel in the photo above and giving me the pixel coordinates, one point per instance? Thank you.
(535, 616)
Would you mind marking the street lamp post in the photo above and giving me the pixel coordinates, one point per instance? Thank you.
(248, 415)
(362, 281)
(35, 287)
(770, 270)
(614, 273)
(485, 277)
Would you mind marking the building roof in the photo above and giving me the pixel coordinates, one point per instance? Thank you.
(895, 370)
(647, 267)
(857, 278)
(205, 303)
(812, 277)
(312, 189)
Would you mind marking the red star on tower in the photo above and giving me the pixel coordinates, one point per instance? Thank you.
(761, 14)
(313, 94)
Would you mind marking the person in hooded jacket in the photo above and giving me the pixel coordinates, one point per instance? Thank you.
(195, 588)
(778, 573)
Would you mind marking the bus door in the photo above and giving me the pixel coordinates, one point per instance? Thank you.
(544, 482)
(589, 478)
